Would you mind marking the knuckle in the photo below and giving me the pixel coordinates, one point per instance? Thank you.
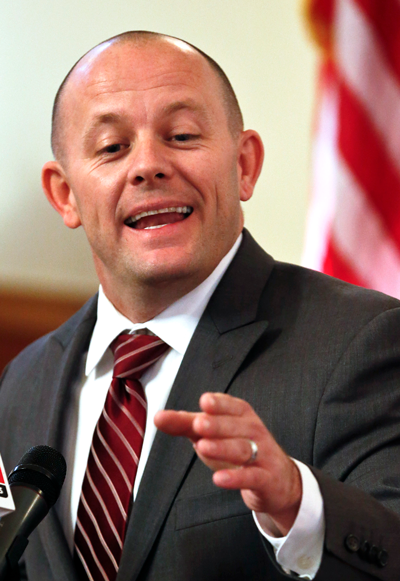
(245, 406)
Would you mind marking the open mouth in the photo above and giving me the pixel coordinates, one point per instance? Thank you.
(158, 218)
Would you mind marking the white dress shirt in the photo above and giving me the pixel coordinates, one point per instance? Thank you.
(301, 550)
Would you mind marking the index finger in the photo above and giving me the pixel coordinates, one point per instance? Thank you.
(176, 423)
(223, 404)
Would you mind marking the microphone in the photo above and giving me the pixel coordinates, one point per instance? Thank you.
(35, 484)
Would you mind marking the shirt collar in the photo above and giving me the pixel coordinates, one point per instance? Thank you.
(175, 325)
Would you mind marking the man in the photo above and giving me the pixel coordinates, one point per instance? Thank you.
(152, 160)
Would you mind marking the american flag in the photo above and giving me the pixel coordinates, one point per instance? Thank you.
(353, 229)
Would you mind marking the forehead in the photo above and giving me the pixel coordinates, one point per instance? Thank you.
(159, 69)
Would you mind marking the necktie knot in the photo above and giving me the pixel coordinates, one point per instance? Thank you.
(133, 354)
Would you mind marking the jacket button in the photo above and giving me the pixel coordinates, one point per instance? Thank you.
(352, 543)
(364, 550)
(373, 554)
(382, 558)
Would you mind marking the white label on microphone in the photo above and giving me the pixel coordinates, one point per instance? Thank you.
(6, 499)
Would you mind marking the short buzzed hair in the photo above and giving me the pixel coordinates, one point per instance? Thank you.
(142, 37)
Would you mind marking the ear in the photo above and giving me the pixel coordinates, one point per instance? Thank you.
(250, 161)
(59, 193)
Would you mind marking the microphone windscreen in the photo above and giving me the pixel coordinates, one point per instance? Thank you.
(43, 468)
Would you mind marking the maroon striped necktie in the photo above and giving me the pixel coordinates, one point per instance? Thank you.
(114, 455)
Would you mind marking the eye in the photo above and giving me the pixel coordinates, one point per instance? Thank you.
(182, 137)
(114, 148)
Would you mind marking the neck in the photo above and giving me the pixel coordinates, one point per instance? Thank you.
(144, 303)
(140, 300)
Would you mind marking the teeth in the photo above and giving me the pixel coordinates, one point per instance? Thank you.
(178, 209)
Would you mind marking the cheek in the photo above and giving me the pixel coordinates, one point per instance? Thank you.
(229, 188)
(212, 180)
(98, 197)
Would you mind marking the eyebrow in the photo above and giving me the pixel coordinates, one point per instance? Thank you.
(189, 104)
(104, 119)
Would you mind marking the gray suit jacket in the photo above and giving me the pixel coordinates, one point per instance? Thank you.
(318, 359)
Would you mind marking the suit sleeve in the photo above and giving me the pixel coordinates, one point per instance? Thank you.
(357, 456)
(362, 536)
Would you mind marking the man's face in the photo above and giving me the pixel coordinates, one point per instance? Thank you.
(151, 164)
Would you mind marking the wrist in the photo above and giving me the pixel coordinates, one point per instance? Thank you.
(281, 521)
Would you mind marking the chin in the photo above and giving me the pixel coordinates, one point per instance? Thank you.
(164, 276)
(187, 273)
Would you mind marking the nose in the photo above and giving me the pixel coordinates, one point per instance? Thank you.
(149, 161)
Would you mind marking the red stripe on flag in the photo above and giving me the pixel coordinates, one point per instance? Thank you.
(366, 156)
(322, 10)
(320, 15)
(384, 17)
(1, 477)
(337, 266)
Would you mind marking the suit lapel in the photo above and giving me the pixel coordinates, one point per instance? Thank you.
(64, 356)
(226, 333)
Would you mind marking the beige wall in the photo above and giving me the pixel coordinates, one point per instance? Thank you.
(263, 48)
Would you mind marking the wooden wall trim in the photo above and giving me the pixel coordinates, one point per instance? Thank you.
(26, 316)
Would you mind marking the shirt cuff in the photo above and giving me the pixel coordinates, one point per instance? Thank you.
(300, 551)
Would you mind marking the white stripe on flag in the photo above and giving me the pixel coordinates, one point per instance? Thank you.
(365, 69)
(324, 181)
(360, 237)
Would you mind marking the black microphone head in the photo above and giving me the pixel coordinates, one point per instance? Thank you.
(42, 468)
